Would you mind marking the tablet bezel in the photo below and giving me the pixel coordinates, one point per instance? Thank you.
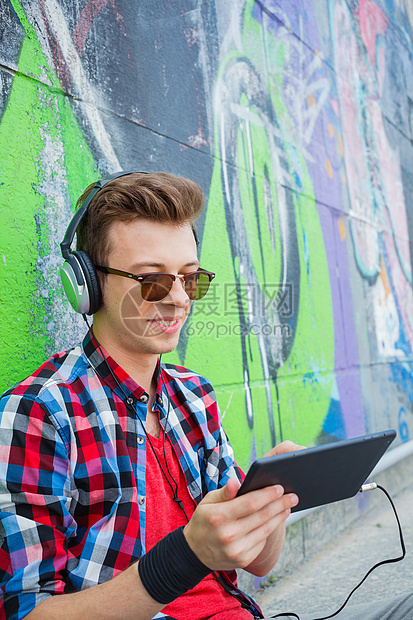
(321, 474)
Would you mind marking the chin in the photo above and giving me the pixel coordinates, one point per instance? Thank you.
(157, 345)
(168, 347)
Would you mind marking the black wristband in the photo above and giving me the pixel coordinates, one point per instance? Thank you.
(171, 568)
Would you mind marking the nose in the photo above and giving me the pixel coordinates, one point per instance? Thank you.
(177, 295)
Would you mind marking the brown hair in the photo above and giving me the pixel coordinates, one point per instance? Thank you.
(159, 196)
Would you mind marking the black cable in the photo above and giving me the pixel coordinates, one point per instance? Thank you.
(390, 561)
(215, 574)
(176, 498)
(179, 501)
(129, 403)
(175, 494)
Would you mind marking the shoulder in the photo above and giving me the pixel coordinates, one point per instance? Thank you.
(182, 373)
(36, 409)
(63, 368)
(193, 396)
(186, 379)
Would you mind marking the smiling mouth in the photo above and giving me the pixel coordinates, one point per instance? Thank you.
(167, 326)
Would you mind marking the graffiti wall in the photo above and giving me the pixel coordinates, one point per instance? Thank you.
(296, 118)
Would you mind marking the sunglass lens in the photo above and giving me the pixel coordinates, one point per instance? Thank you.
(197, 285)
(156, 287)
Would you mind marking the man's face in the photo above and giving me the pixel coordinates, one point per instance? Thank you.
(125, 320)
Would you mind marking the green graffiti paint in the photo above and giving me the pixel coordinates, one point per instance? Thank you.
(43, 153)
(43, 143)
(294, 396)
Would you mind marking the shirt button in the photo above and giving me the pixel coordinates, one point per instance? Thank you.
(144, 398)
(140, 439)
(129, 400)
(160, 401)
(141, 500)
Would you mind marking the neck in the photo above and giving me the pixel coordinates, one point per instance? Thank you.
(139, 366)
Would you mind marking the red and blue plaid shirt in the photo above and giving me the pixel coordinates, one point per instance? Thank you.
(72, 470)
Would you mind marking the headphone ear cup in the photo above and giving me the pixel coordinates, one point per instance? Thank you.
(74, 284)
(91, 280)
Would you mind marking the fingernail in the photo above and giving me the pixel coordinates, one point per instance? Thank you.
(294, 500)
(279, 490)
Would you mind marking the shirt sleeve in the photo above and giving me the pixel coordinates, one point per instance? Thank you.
(35, 487)
(219, 455)
(230, 469)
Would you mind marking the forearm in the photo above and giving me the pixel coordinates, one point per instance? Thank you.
(122, 597)
(270, 554)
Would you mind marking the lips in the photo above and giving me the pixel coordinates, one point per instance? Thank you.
(167, 326)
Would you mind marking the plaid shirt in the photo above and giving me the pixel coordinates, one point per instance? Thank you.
(72, 470)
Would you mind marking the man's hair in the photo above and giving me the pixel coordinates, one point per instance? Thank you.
(159, 196)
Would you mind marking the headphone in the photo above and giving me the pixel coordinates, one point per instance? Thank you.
(78, 273)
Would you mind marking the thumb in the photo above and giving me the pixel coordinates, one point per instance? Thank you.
(229, 491)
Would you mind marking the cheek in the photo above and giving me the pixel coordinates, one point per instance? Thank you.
(130, 303)
(134, 312)
(187, 311)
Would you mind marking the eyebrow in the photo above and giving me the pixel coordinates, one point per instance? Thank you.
(138, 266)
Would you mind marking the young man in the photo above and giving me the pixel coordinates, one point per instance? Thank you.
(118, 483)
(102, 445)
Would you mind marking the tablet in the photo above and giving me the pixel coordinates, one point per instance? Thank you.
(322, 474)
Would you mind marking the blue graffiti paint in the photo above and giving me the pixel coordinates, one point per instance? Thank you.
(403, 425)
(333, 424)
(402, 376)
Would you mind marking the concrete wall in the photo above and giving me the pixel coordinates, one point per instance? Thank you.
(296, 118)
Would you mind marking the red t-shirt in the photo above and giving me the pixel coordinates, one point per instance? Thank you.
(208, 599)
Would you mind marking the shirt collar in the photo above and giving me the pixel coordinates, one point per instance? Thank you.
(118, 380)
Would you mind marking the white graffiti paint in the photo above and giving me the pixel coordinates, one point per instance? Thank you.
(52, 217)
(91, 99)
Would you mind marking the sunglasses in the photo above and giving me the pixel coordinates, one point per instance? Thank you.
(157, 286)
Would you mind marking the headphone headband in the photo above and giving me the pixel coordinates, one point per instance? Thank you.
(81, 212)
(78, 273)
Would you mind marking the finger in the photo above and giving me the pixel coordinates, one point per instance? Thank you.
(245, 549)
(266, 514)
(229, 491)
(289, 446)
(254, 501)
(260, 534)
(284, 448)
(238, 528)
